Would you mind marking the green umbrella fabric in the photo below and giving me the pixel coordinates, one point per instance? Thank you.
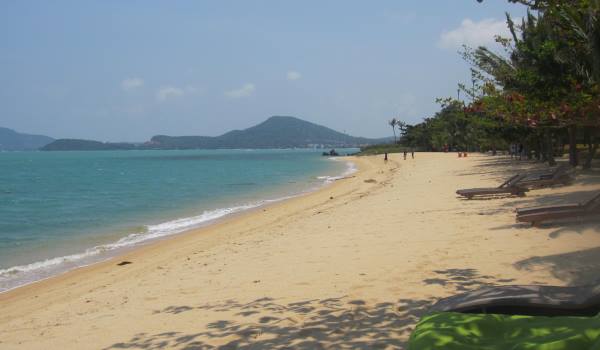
(451, 330)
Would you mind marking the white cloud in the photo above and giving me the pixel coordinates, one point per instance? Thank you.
(132, 83)
(473, 34)
(293, 75)
(167, 92)
(244, 91)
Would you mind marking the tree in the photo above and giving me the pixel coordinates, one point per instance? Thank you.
(531, 86)
(393, 123)
(541, 89)
(561, 48)
(581, 20)
(401, 127)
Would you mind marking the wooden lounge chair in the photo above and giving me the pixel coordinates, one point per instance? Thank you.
(511, 186)
(525, 300)
(562, 175)
(536, 215)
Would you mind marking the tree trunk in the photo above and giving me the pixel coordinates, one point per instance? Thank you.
(549, 149)
(592, 143)
(543, 154)
(573, 161)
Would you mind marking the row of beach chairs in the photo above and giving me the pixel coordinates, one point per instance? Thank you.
(519, 316)
(520, 184)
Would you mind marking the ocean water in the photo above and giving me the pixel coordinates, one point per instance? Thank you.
(62, 210)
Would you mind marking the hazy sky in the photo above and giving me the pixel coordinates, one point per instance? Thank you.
(127, 70)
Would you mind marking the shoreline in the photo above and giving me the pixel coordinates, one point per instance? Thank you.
(354, 265)
(248, 208)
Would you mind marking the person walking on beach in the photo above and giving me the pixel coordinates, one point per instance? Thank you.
(385, 157)
(520, 151)
(412, 153)
(405, 154)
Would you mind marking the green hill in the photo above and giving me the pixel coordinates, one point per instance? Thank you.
(85, 145)
(11, 140)
(275, 132)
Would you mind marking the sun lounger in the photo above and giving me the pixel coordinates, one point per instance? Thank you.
(536, 215)
(562, 175)
(525, 300)
(513, 317)
(509, 187)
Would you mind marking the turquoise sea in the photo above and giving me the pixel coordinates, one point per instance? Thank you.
(62, 210)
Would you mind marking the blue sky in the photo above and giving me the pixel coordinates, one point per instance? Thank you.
(127, 70)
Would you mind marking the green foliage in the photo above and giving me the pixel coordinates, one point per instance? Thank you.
(549, 77)
(455, 128)
(451, 330)
(382, 148)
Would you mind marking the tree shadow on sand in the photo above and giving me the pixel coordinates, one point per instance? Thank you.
(503, 167)
(462, 280)
(576, 268)
(335, 323)
(575, 225)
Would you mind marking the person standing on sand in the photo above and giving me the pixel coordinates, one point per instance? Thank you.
(405, 154)
(520, 151)
(385, 157)
(412, 153)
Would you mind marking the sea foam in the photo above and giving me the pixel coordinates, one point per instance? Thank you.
(17, 276)
(350, 169)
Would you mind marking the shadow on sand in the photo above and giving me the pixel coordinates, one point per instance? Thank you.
(574, 225)
(334, 323)
(502, 167)
(312, 324)
(575, 269)
(462, 280)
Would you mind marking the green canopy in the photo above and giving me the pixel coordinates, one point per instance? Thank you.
(451, 330)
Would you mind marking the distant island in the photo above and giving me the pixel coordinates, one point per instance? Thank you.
(275, 132)
(11, 140)
(86, 145)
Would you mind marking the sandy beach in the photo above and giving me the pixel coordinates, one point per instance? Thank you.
(353, 265)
